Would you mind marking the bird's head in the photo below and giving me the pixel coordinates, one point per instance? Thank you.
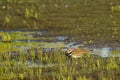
(69, 51)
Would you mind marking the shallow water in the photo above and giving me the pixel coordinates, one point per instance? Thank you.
(25, 40)
(51, 43)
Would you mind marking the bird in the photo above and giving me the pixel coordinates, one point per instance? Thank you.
(77, 52)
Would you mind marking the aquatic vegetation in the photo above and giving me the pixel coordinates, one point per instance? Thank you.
(28, 14)
(7, 20)
(27, 56)
(46, 66)
(115, 8)
(36, 60)
(5, 37)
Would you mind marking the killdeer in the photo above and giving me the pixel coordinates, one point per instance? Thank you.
(76, 53)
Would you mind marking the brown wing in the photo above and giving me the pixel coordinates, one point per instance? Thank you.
(80, 51)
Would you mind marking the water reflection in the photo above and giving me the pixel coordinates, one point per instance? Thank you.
(61, 38)
(105, 52)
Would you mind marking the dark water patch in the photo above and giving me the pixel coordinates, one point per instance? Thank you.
(111, 44)
(27, 40)
(49, 49)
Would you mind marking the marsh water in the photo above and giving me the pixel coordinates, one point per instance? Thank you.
(35, 34)
(15, 42)
(25, 40)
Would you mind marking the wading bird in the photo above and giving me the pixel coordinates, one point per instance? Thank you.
(76, 53)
